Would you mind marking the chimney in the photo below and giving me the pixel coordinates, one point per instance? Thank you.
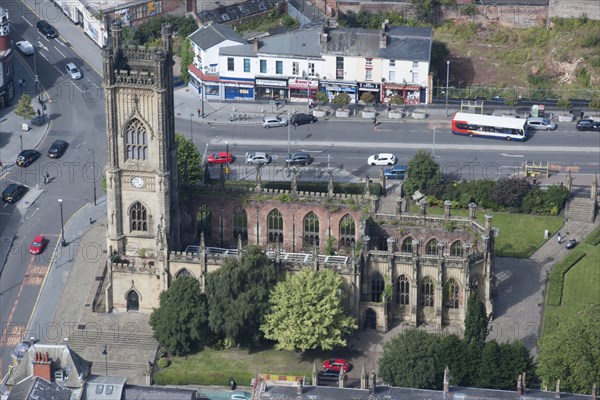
(299, 388)
(383, 36)
(446, 381)
(42, 366)
(557, 394)
(519, 387)
(255, 45)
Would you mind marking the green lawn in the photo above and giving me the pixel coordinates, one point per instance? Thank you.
(212, 367)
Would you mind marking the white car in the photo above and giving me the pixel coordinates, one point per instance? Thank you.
(274, 121)
(73, 71)
(241, 396)
(382, 159)
(25, 47)
(259, 157)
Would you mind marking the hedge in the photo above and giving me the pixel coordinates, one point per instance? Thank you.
(594, 237)
(557, 276)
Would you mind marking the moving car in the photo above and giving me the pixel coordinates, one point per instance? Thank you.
(73, 71)
(273, 121)
(396, 172)
(46, 29)
(220, 158)
(38, 244)
(336, 364)
(301, 119)
(25, 47)
(240, 396)
(299, 158)
(13, 192)
(588, 125)
(57, 149)
(260, 158)
(382, 159)
(539, 123)
(26, 157)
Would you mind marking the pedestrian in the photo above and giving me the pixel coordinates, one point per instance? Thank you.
(389, 107)
(199, 112)
(45, 180)
(559, 238)
(374, 121)
(581, 114)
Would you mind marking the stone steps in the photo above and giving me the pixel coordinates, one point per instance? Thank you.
(580, 209)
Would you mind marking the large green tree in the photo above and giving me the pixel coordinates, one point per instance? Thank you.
(24, 109)
(307, 312)
(188, 161)
(238, 297)
(180, 323)
(571, 351)
(476, 321)
(422, 173)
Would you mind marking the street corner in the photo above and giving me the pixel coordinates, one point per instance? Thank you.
(30, 198)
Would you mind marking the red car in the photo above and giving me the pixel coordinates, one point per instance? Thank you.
(220, 158)
(337, 364)
(37, 246)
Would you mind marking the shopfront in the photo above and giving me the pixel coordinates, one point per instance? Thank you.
(209, 83)
(271, 89)
(238, 90)
(370, 87)
(411, 94)
(332, 88)
(299, 89)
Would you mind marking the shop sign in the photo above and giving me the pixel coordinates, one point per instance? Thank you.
(269, 82)
(368, 85)
(302, 83)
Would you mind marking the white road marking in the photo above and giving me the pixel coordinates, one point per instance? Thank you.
(58, 69)
(40, 44)
(511, 155)
(96, 86)
(61, 43)
(60, 52)
(80, 91)
(25, 19)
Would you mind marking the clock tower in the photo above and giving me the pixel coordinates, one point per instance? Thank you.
(141, 171)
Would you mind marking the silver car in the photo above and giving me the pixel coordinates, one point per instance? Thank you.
(273, 121)
(73, 71)
(258, 158)
(539, 123)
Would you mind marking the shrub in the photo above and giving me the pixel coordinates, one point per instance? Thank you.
(557, 276)
(509, 192)
(341, 99)
(163, 363)
(550, 201)
(367, 97)
(594, 237)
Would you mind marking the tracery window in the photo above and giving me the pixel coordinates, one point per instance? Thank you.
(347, 231)
(407, 245)
(275, 226)
(452, 293)
(457, 249)
(402, 290)
(427, 292)
(432, 247)
(311, 229)
(136, 140)
(182, 272)
(138, 217)
(377, 286)
(204, 222)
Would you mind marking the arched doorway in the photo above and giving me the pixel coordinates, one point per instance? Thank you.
(370, 319)
(133, 301)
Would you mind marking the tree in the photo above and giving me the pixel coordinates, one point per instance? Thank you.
(341, 99)
(180, 323)
(24, 109)
(238, 297)
(595, 104)
(367, 98)
(476, 321)
(188, 161)
(307, 312)
(509, 192)
(410, 359)
(187, 57)
(422, 173)
(565, 104)
(571, 350)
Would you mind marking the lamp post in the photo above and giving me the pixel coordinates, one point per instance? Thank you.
(289, 133)
(434, 142)
(62, 225)
(105, 354)
(447, 78)
(191, 126)
(94, 174)
(21, 137)
(226, 160)
(202, 97)
(308, 97)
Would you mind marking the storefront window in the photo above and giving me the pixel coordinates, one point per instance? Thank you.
(212, 90)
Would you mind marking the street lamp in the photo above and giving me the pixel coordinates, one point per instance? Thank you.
(447, 78)
(105, 354)
(62, 225)
(191, 126)
(21, 137)
(289, 128)
(94, 174)
(227, 159)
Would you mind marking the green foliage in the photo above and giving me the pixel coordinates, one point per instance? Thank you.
(163, 362)
(594, 237)
(180, 322)
(266, 22)
(511, 99)
(591, 40)
(24, 109)
(469, 9)
(187, 57)
(509, 192)
(367, 98)
(549, 201)
(369, 20)
(238, 295)
(341, 99)
(476, 321)
(557, 276)
(595, 104)
(571, 352)
(307, 312)
(103, 183)
(150, 31)
(188, 161)
(583, 76)
(426, 10)
(322, 97)
(422, 173)
(564, 103)
(330, 246)
(397, 100)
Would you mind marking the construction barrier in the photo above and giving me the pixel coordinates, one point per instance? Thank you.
(534, 169)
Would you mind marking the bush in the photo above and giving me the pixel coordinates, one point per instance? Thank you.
(549, 201)
(594, 237)
(367, 98)
(341, 99)
(163, 363)
(557, 276)
(509, 192)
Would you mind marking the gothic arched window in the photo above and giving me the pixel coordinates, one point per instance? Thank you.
(182, 272)
(402, 290)
(136, 140)
(240, 224)
(452, 293)
(432, 247)
(138, 217)
(347, 231)
(133, 301)
(204, 222)
(407, 245)
(456, 249)
(311, 229)
(427, 292)
(275, 227)
(377, 286)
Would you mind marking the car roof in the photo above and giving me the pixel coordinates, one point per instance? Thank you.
(38, 238)
(259, 154)
(300, 154)
(58, 142)
(385, 155)
(71, 65)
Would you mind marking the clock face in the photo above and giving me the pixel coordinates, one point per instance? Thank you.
(137, 182)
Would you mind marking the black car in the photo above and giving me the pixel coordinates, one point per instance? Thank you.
(301, 119)
(299, 158)
(57, 149)
(329, 375)
(26, 157)
(588, 125)
(13, 193)
(46, 29)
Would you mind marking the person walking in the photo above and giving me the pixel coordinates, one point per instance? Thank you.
(581, 114)
(559, 238)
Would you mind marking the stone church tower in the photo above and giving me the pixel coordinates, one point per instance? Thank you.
(141, 171)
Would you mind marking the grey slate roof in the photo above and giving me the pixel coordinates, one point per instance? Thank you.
(403, 43)
(36, 388)
(133, 392)
(210, 35)
(232, 12)
(300, 42)
(245, 50)
(104, 388)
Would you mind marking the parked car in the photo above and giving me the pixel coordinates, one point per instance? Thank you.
(57, 149)
(220, 158)
(329, 374)
(336, 364)
(273, 121)
(299, 158)
(25, 47)
(588, 125)
(301, 119)
(19, 351)
(46, 29)
(73, 71)
(241, 396)
(539, 123)
(382, 159)
(37, 245)
(13, 192)
(259, 157)
(26, 157)
(396, 172)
